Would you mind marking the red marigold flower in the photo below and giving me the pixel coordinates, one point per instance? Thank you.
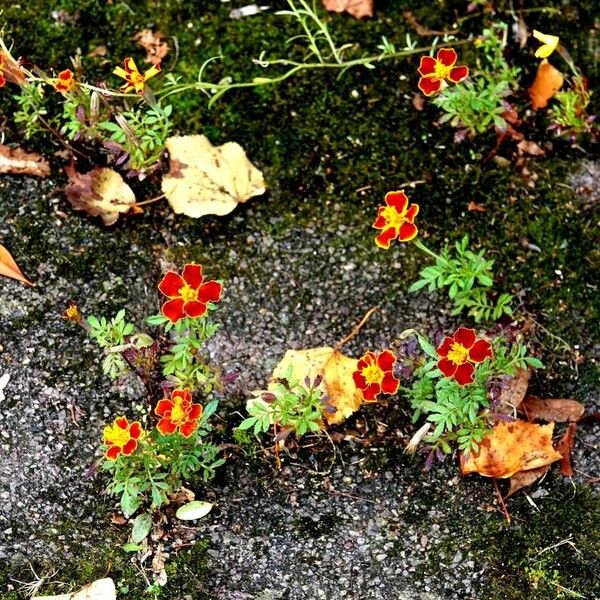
(121, 438)
(188, 293)
(178, 412)
(396, 220)
(460, 352)
(2, 80)
(374, 375)
(434, 71)
(135, 80)
(72, 313)
(65, 81)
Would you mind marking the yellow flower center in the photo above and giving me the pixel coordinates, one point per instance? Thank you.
(373, 374)
(187, 293)
(136, 78)
(178, 414)
(116, 436)
(441, 71)
(458, 354)
(393, 217)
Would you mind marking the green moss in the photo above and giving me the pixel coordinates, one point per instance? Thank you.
(560, 544)
(186, 571)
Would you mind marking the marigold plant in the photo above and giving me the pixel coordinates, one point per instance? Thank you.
(149, 462)
(456, 387)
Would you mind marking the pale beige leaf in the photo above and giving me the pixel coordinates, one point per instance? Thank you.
(9, 268)
(206, 179)
(102, 589)
(18, 162)
(100, 193)
(336, 370)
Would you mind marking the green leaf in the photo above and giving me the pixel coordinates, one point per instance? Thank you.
(417, 285)
(142, 525)
(247, 423)
(427, 347)
(132, 547)
(534, 362)
(193, 510)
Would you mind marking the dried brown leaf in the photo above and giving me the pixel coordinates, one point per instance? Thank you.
(154, 43)
(525, 478)
(565, 447)
(357, 8)
(475, 207)
(547, 82)
(418, 102)
(206, 179)
(15, 161)
(98, 51)
(510, 448)
(512, 396)
(100, 193)
(556, 409)
(531, 148)
(9, 268)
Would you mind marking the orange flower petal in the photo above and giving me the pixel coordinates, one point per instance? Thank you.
(457, 74)
(430, 85)
(398, 200)
(447, 56)
(408, 231)
(192, 275)
(427, 65)
(384, 239)
(170, 284)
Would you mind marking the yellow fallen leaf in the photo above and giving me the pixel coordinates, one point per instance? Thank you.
(102, 589)
(510, 448)
(100, 193)
(9, 268)
(206, 179)
(336, 370)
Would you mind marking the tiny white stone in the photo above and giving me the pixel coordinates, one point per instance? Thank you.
(3, 382)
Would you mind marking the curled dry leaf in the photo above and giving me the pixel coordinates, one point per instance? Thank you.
(336, 370)
(531, 148)
(100, 193)
(102, 589)
(512, 396)
(510, 448)
(9, 268)
(206, 179)
(154, 43)
(18, 162)
(565, 447)
(557, 409)
(357, 8)
(525, 478)
(547, 82)
(476, 207)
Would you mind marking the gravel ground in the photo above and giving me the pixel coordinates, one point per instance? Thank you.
(369, 526)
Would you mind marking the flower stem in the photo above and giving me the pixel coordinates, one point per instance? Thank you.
(421, 246)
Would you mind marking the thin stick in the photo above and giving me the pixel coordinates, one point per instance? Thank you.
(150, 200)
(356, 329)
(506, 513)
